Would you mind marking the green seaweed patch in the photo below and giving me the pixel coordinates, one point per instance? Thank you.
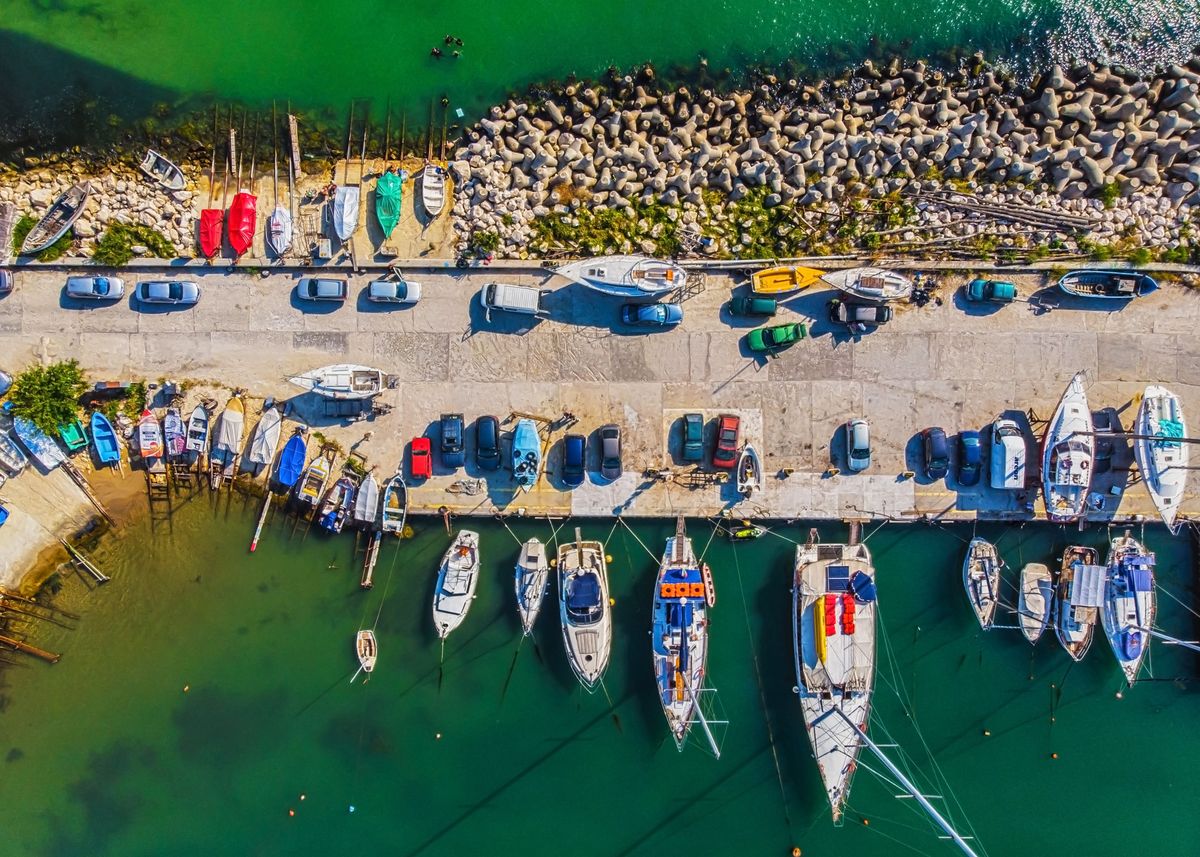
(115, 247)
(55, 251)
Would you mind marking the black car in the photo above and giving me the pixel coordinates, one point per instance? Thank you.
(610, 451)
(452, 448)
(574, 458)
(487, 443)
(858, 317)
(937, 453)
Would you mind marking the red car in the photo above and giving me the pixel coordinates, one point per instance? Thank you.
(725, 454)
(420, 460)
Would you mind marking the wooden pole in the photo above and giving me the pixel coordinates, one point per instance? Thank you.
(48, 657)
(262, 519)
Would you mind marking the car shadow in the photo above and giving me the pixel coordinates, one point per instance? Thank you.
(65, 301)
(154, 308)
(839, 452)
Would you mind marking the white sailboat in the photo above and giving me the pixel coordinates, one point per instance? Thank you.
(1035, 600)
(1068, 453)
(367, 649)
(1080, 593)
(457, 578)
(1129, 603)
(1161, 453)
(532, 580)
(833, 633)
(584, 610)
(981, 579)
(343, 381)
(626, 276)
(873, 284)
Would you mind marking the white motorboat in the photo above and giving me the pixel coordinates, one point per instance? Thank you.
(433, 190)
(311, 487)
(343, 213)
(679, 635)
(1129, 603)
(343, 381)
(833, 633)
(226, 442)
(457, 578)
(1035, 600)
(1080, 593)
(872, 284)
(626, 276)
(1161, 452)
(981, 579)
(1068, 453)
(395, 505)
(265, 439)
(366, 502)
(749, 472)
(197, 430)
(584, 610)
(532, 579)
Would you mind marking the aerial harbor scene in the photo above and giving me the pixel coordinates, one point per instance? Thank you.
(486, 429)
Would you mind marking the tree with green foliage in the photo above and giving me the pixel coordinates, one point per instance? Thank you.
(48, 396)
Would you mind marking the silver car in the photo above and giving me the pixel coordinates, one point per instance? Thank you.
(322, 289)
(172, 292)
(400, 292)
(95, 288)
(858, 445)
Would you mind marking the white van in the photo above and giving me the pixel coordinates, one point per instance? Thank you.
(1008, 456)
(510, 298)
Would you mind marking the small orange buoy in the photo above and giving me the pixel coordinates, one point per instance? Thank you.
(796, 851)
(1054, 755)
(291, 813)
(866, 822)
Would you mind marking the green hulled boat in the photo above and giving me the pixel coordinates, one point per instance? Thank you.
(388, 196)
(73, 436)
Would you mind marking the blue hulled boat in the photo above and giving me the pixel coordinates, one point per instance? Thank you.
(526, 454)
(104, 439)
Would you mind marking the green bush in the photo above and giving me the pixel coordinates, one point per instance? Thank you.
(115, 247)
(48, 396)
(1141, 256)
(55, 251)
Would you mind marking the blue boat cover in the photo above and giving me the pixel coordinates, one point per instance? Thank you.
(682, 575)
(584, 592)
(3, 515)
(863, 587)
(291, 462)
(1131, 644)
(1140, 579)
(837, 578)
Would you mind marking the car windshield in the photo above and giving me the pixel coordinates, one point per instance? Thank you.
(175, 291)
(100, 286)
(728, 436)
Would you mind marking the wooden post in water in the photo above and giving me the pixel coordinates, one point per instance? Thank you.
(48, 657)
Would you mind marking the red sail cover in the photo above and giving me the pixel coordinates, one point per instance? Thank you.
(212, 224)
(241, 221)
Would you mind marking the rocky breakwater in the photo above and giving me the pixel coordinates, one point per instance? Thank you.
(119, 195)
(1095, 142)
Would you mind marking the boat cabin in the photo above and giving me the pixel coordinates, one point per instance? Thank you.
(585, 604)
(1070, 464)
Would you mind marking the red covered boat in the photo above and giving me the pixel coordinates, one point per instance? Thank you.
(242, 214)
(212, 224)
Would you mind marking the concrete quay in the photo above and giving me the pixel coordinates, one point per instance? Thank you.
(943, 364)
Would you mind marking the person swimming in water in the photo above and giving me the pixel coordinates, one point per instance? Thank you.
(436, 52)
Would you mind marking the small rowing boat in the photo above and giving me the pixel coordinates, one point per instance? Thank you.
(1114, 285)
(457, 578)
(174, 433)
(1035, 601)
(526, 454)
(395, 505)
(41, 446)
(72, 436)
(872, 284)
(11, 458)
(981, 579)
(160, 169)
(1079, 594)
(749, 472)
(584, 609)
(291, 461)
(366, 503)
(1161, 453)
(1129, 603)
(55, 222)
(532, 581)
(243, 214)
(367, 650)
(226, 442)
(265, 439)
(197, 430)
(104, 439)
(783, 279)
(337, 505)
(312, 487)
(149, 437)
(343, 381)
(389, 189)
(433, 190)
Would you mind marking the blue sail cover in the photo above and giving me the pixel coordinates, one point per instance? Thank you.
(1140, 579)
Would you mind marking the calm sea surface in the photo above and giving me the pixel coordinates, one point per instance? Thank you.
(107, 755)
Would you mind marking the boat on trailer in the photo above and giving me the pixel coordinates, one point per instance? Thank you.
(54, 223)
(1068, 453)
(162, 170)
(1130, 603)
(749, 472)
(433, 190)
(626, 276)
(981, 579)
(458, 575)
(532, 580)
(833, 642)
(872, 284)
(1113, 285)
(1161, 451)
(395, 505)
(526, 454)
(343, 381)
(1080, 594)
(584, 610)
(1035, 601)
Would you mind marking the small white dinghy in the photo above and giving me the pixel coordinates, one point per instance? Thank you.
(367, 650)
(981, 579)
(1161, 453)
(532, 580)
(162, 170)
(872, 284)
(366, 503)
(1035, 600)
(457, 578)
(433, 190)
(749, 472)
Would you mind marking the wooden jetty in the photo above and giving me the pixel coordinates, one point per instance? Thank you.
(372, 558)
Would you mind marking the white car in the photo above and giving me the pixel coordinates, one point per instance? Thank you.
(173, 292)
(95, 288)
(858, 445)
(400, 292)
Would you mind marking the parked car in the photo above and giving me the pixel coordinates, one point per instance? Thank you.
(858, 445)
(652, 315)
(970, 457)
(322, 289)
(574, 460)
(6, 282)
(858, 317)
(399, 292)
(990, 291)
(95, 288)
(725, 453)
(693, 437)
(936, 452)
(420, 459)
(751, 305)
(172, 292)
(452, 448)
(610, 451)
(772, 340)
(487, 443)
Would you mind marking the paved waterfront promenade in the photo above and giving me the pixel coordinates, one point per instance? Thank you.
(937, 365)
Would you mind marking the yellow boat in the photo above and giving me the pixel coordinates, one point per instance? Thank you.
(775, 281)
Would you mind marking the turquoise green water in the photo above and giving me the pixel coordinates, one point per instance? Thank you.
(106, 755)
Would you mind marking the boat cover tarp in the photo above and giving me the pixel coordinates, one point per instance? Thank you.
(863, 587)
(1169, 430)
(1088, 587)
(242, 212)
(212, 224)
(229, 432)
(1141, 578)
(584, 592)
(291, 463)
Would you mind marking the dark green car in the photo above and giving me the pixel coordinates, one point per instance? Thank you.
(771, 340)
(750, 305)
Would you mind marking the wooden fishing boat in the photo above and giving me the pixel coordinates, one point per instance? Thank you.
(343, 212)
(41, 446)
(366, 503)
(981, 579)
(872, 284)
(55, 222)
(8, 221)
(291, 461)
(783, 279)
(1035, 601)
(312, 487)
(433, 190)
(226, 443)
(366, 648)
(243, 213)
(1068, 453)
(174, 433)
(395, 504)
(11, 458)
(343, 381)
(1130, 603)
(389, 190)
(1079, 594)
(72, 435)
(197, 430)
(337, 505)
(149, 437)
(265, 440)
(532, 581)
(162, 170)
(584, 609)
(458, 575)
(833, 642)
(1162, 455)
(1114, 285)
(749, 472)
(104, 439)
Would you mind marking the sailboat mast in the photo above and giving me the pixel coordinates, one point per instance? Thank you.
(254, 151)
(212, 166)
(903, 780)
(712, 741)
(275, 155)
(349, 142)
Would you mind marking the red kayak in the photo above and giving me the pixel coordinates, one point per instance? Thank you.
(242, 213)
(212, 224)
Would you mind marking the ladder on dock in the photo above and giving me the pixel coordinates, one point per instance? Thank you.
(157, 487)
(372, 558)
(181, 473)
